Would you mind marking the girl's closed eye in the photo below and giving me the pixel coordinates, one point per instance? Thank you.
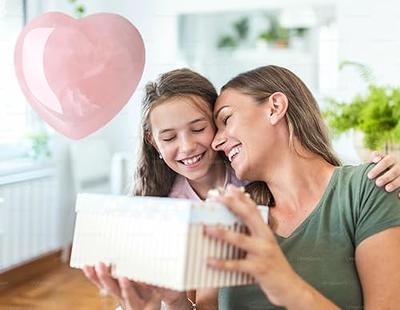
(198, 129)
(168, 139)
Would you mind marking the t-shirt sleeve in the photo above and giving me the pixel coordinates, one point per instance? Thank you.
(377, 209)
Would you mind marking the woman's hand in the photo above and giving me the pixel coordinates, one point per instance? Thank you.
(132, 295)
(265, 260)
(386, 172)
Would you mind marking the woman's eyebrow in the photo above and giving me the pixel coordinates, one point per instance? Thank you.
(219, 110)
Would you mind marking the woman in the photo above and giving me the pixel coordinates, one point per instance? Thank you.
(177, 160)
(333, 239)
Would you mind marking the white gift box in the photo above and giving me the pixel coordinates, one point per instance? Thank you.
(158, 241)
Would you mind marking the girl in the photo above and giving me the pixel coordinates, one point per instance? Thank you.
(177, 160)
(334, 238)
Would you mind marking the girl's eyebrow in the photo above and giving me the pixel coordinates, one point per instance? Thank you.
(218, 111)
(201, 119)
(198, 120)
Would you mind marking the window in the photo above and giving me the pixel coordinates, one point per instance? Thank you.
(14, 111)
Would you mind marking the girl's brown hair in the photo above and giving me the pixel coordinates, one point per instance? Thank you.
(303, 116)
(153, 177)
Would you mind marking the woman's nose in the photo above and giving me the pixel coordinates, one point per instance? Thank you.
(218, 141)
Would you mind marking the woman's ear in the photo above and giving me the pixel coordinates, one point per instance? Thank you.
(277, 107)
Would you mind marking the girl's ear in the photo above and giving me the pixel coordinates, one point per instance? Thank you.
(149, 139)
(277, 107)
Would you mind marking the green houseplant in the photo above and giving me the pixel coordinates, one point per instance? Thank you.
(376, 114)
(79, 9)
(227, 42)
(39, 145)
(275, 34)
(240, 30)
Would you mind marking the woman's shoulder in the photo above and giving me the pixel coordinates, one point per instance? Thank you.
(372, 208)
(354, 178)
(352, 185)
(356, 172)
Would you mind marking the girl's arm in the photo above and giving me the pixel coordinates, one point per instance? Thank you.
(386, 172)
(133, 295)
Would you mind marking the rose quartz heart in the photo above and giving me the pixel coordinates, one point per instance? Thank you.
(78, 74)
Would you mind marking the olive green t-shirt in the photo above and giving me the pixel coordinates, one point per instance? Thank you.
(322, 249)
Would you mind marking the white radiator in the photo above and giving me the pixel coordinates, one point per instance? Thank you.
(28, 216)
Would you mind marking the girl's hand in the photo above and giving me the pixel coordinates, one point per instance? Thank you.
(132, 295)
(386, 172)
(264, 260)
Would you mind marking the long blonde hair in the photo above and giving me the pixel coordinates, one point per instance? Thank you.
(303, 116)
(153, 177)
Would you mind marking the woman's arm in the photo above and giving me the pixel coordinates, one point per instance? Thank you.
(265, 260)
(207, 299)
(378, 264)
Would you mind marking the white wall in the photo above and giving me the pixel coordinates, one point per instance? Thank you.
(184, 6)
(369, 33)
(157, 22)
(366, 33)
(159, 34)
(61, 145)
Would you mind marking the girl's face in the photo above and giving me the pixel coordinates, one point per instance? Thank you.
(242, 132)
(182, 134)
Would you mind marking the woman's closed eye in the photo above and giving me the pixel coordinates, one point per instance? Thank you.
(225, 118)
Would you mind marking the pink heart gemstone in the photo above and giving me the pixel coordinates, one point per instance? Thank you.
(78, 74)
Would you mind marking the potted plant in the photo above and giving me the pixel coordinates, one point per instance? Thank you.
(39, 145)
(227, 42)
(241, 27)
(298, 38)
(275, 34)
(376, 114)
(240, 30)
(79, 9)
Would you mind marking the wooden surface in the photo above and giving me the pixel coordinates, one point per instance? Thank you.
(29, 270)
(62, 288)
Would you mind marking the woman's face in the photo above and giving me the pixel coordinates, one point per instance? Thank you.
(182, 133)
(242, 129)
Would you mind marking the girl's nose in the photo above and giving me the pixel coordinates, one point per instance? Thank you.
(188, 145)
